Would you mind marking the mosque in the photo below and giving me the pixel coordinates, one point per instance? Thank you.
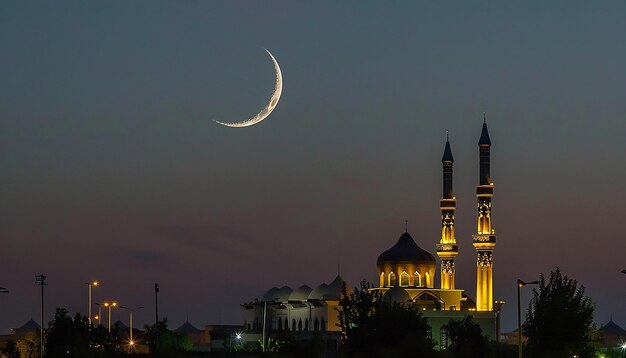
(406, 273)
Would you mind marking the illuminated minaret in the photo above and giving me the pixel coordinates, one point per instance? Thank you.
(447, 249)
(485, 238)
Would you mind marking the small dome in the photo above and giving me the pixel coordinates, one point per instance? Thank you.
(270, 294)
(282, 295)
(318, 292)
(301, 293)
(406, 250)
(333, 291)
(396, 294)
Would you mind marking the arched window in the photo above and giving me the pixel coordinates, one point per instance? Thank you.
(316, 325)
(323, 325)
(392, 279)
(286, 324)
(427, 276)
(293, 325)
(306, 324)
(280, 324)
(382, 279)
(300, 324)
(417, 279)
(404, 279)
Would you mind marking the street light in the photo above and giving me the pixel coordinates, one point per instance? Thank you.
(131, 342)
(89, 284)
(109, 306)
(521, 284)
(264, 315)
(99, 316)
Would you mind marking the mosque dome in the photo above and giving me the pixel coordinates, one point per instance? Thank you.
(270, 294)
(318, 292)
(332, 291)
(406, 250)
(301, 293)
(396, 294)
(406, 264)
(282, 294)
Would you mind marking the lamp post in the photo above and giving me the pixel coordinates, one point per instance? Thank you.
(89, 285)
(109, 306)
(264, 315)
(521, 284)
(130, 310)
(99, 316)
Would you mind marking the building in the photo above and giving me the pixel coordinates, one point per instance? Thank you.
(303, 312)
(199, 339)
(28, 332)
(406, 274)
(612, 336)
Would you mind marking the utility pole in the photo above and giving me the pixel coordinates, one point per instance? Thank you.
(40, 280)
(156, 311)
(156, 302)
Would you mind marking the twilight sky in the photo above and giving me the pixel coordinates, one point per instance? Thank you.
(113, 169)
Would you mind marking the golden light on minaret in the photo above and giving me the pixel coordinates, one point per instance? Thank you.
(485, 239)
(447, 249)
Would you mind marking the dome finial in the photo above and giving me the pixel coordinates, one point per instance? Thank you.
(447, 135)
(484, 118)
(406, 225)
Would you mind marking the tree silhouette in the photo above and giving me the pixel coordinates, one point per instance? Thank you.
(466, 338)
(165, 343)
(10, 350)
(559, 321)
(373, 328)
(67, 337)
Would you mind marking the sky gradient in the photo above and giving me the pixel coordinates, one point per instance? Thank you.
(113, 167)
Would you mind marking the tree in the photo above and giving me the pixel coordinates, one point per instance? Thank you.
(165, 343)
(373, 328)
(10, 350)
(67, 337)
(559, 321)
(466, 338)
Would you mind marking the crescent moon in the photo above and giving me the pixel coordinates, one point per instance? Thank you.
(265, 112)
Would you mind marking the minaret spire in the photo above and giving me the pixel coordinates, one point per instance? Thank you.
(485, 239)
(447, 249)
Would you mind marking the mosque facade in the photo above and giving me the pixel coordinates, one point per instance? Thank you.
(406, 274)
